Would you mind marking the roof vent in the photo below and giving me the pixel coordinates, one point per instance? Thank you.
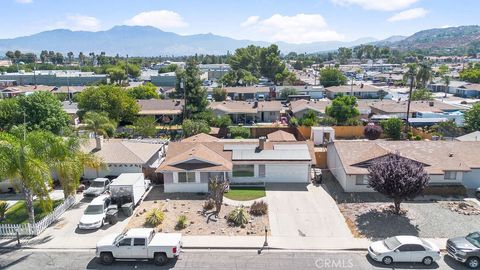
(450, 154)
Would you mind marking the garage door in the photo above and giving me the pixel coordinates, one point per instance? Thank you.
(286, 173)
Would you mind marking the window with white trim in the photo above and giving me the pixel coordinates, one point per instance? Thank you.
(243, 171)
(361, 180)
(450, 175)
(186, 177)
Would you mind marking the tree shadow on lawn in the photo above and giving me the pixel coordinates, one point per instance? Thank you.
(377, 224)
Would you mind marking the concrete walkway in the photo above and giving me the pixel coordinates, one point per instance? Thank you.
(298, 210)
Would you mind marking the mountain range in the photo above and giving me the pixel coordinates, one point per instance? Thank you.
(150, 41)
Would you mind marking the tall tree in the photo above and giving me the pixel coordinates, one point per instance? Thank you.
(472, 118)
(99, 123)
(424, 74)
(398, 178)
(190, 87)
(332, 77)
(146, 91)
(343, 108)
(344, 54)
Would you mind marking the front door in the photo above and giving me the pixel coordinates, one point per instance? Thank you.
(124, 249)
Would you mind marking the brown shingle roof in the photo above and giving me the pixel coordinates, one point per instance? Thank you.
(439, 156)
(247, 89)
(301, 105)
(246, 107)
(160, 106)
(117, 151)
(386, 107)
(348, 88)
(281, 136)
(202, 137)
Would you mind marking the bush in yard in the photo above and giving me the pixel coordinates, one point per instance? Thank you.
(239, 132)
(372, 131)
(259, 208)
(3, 209)
(181, 222)
(208, 205)
(398, 178)
(393, 128)
(238, 216)
(155, 217)
(293, 121)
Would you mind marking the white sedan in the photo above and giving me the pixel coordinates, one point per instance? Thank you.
(404, 249)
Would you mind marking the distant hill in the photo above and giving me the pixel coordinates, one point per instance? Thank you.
(147, 41)
(150, 41)
(441, 39)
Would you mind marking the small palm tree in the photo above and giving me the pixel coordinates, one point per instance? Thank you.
(21, 160)
(446, 81)
(99, 123)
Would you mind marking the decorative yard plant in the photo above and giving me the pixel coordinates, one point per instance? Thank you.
(238, 216)
(217, 188)
(182, 222)
(398, 178)
(372, 131)
(259, 208)
(3, 209)
(154, 217)
(208, 205)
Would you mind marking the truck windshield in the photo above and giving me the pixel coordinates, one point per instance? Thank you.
(474, 239)
(94, 210)
(97, 184)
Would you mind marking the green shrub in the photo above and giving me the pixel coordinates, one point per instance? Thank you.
(327, 121)
(181, 222)
(417, 138)
(238, 216)
(154, 217)
(259, 208)
(208, 205)
(392, 128)
(3, 209)
(293, 121)
(239, 132)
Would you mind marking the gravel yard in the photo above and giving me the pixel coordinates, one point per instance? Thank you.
(425, 219)
(190, 205)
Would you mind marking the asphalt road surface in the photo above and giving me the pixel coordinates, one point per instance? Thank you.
(215, 260)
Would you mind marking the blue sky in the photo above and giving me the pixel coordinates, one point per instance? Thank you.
(295, 21)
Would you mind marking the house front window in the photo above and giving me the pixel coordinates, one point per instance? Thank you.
(186, 177)
(361, 180)
(243, 171)
(450, 176)
(215, 175)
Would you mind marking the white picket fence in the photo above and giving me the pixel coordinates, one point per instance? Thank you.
(10, 230)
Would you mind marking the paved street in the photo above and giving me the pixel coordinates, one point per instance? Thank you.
(216, 260)
(305, 211)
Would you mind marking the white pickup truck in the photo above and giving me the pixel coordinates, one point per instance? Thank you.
(139, 244)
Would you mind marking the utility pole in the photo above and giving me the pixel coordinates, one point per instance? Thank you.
(351, 87)
(409, 97)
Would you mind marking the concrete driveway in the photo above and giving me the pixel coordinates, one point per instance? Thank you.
(304, 211)
(64, 234)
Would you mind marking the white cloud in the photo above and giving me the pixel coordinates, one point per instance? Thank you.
(383, 5)
(250, 21)
(79, 23)
(300, 28)
(163, 19)
(409, 14)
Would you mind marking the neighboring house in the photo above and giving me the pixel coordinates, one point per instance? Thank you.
(281, 136)
(71, 108)
(470, 137)
(55, 77)
(314, 92)
(214, 71)
(13, 91)
(189, 164)
(164, 79)
(299, 107)
(124, 156)
(447, 163)
(440, 86)
(250, 92)
(388, 78)
(471, 90)
(399, 109)
(249, 112)
(164, 110)
(360, 91)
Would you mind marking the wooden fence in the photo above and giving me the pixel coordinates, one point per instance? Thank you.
(10, 230)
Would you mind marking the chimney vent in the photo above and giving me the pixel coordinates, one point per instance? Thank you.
(261, 143)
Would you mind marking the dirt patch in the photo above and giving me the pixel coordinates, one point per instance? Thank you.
(463, 207)
(190, 205)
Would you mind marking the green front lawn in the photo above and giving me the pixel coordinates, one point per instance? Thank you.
(17, 214)
(245, 193)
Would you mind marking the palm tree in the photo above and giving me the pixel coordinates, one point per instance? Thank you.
(22, 160)
(446, 81)
(424, 74)
(99, 123)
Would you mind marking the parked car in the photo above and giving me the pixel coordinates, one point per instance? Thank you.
(465, 249)
(404, 249)
(97, 187)
(94, 215)
(139, 244)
